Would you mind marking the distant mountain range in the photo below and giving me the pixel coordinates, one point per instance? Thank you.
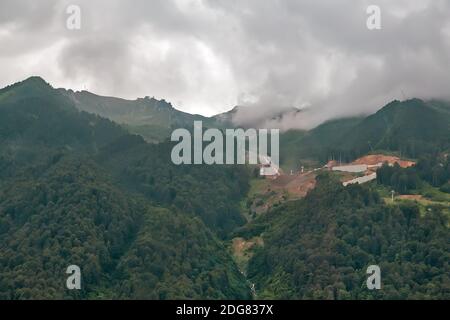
(411, 127)
(151, 118)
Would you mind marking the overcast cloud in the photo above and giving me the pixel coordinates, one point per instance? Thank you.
(208, 56)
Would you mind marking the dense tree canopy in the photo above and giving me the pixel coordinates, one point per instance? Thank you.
(76, 188)
(125, 247)
(432, 170)
(320, 247)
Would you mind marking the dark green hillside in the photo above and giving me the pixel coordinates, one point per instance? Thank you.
(76, 188)
(73, 214)
(319, 144)
(38, 125)
(412, 128)
(175, 257)
(211, 192)
(320, 247)
(429, 171)
(59, 205)
(36, 115)
(440, 106)
(65, 215)
(31, 87)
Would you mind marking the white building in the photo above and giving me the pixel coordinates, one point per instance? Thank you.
(361, 180)
(351, 168)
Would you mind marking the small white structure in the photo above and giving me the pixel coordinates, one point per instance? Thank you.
(267, 167)
(269, 171)
(361, 180)
(351, 168)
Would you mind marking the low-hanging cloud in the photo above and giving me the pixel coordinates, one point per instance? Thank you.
(208, 56)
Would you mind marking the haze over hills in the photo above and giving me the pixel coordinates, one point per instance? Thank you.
(254, 117)
(411, 128)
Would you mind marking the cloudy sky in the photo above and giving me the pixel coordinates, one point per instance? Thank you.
(208, 56)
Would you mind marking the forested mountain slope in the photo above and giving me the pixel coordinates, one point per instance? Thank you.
(210, 192)
(412, 128)
(35, 116)
(63, 203)
(76, 188)
(321, 246)
(71, 213)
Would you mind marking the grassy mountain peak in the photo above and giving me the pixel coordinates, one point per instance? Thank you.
(32, 86)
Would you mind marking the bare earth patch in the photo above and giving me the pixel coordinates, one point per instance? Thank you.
(296, 185)
(242, 250)
(417, 197)
(374, 159)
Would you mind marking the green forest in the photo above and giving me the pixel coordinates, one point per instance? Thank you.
(434, 171)
(319, 247)
(80, 189)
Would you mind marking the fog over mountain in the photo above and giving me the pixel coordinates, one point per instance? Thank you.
(208, 56)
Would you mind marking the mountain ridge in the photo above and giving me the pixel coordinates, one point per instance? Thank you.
(114, 107)
(425, 130)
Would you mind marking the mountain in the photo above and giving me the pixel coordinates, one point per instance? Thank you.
(211, 193)
(72, 213)
(153, 119)
(76, 188)
(297, 146)
(31, 87)
(35, 117)
(320, 247)
(412, 128)
(50, 122)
